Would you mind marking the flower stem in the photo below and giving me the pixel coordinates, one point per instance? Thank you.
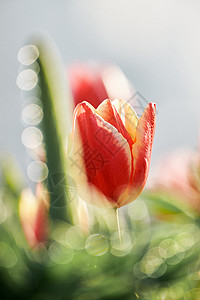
(118, 226)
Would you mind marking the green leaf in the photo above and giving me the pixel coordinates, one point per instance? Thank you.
(57, 109)
(165, 203)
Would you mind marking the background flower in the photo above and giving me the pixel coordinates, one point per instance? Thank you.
(95, 82)
(179, 174)
(33, 212)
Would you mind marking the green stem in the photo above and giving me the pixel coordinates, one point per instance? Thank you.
(118, 226)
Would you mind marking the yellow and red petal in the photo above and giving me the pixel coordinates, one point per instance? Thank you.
(141, 151)
(110, 114)
(127, 115)
(106, 153)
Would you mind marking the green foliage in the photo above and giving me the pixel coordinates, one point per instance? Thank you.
(163, 258)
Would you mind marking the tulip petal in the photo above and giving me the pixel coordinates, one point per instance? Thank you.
(87, 84)
(41, 218)
(107, 154)
(110, 114)
(141, 151)
(127, 115)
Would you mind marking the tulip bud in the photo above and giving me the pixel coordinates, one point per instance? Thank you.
(95, 83)
(33, 212)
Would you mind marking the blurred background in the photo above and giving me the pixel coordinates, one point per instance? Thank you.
(156, 43)
(50, 248)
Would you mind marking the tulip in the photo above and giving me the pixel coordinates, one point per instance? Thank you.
(33, 212)
(110, 151)
(178, 175)
(95, 83)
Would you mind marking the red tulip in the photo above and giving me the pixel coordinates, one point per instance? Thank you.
(33, 211)
(95, 83)
(112, 155)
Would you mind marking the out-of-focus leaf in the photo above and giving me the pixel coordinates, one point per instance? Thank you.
(56, 124)
(161, 203)
(11, 174)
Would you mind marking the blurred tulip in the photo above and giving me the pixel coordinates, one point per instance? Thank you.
(111, 151)
(33, 212)
(81, 217)
(179, 174)
(94, 83)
